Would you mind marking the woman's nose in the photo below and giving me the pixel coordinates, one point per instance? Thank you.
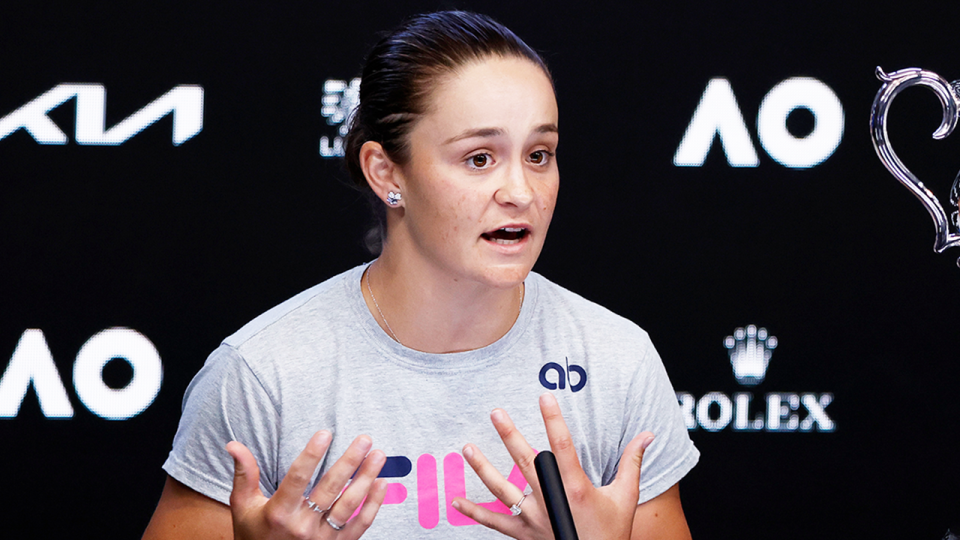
(516, 189)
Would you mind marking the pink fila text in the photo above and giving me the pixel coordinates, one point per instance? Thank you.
(428, 488)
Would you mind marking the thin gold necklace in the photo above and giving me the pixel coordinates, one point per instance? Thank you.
(370, 289)
(387, 324)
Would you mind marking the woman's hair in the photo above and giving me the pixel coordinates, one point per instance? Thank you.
(400, 72)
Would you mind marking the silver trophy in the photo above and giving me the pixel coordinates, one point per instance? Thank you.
(948, 230)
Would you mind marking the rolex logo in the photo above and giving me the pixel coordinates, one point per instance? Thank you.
(750, 350)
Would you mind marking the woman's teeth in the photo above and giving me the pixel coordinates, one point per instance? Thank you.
(506, 235)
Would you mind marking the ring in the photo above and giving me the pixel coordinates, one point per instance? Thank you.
(333, 524)
(313, 506)
(515, 509)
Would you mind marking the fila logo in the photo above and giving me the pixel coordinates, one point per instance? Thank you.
(184, 101)
(750, 349)
(427, 485)
(563, 376)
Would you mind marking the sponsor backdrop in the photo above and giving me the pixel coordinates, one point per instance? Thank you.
(168, 172)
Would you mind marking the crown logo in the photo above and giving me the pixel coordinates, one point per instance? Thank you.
(750, 350)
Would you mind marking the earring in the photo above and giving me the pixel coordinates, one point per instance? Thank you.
(394, 198)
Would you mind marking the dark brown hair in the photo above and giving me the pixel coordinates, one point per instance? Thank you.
(397, 78)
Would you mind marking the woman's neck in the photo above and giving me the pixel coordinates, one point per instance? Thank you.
(425, 310)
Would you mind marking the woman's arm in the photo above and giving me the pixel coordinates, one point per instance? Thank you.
(184, 513)
(661, 518)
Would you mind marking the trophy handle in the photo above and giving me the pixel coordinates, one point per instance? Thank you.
(893, 84)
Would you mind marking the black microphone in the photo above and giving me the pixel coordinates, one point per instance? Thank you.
(555, 497)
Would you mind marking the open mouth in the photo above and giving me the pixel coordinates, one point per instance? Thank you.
(505, 235)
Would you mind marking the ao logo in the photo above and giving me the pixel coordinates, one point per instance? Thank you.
(32, 363)
(750, 350)
(718, 115)
(185, 102)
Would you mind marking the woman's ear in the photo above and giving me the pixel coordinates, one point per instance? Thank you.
(383, 175)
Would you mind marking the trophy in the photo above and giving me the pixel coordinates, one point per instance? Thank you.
(948, 230)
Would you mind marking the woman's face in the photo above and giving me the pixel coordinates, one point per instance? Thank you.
(482, 179)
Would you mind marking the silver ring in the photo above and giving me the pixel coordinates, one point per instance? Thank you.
(515, 509)
(333, 524)
(313, 506)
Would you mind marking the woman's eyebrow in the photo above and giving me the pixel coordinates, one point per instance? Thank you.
(479, 132)
(547, 128)
(495, 132)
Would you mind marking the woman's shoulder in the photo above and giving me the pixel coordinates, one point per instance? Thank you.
(559, 300)
(312, 310)
(562, 306)
(284, 346)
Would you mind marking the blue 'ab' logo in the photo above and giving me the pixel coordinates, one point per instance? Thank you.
(562, 376)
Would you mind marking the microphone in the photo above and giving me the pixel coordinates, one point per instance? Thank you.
(555, 497)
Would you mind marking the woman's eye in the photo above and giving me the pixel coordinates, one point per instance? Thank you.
(539, 157)
(479, 161)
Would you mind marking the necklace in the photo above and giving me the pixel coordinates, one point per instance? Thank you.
(387, 324)
(374, 298)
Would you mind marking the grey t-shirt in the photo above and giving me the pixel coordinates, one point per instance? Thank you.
(320, 361)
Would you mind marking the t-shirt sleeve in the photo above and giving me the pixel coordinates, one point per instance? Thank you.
(652, 406)
(225, 402)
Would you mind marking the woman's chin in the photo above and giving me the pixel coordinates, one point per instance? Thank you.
(506, 276)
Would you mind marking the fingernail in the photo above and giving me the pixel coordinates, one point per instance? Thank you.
(324, 436)
(468, 452)
(455, 505)
(375, 456)
(365, 443)
(497, 415)
(646, 442)
(547, 398)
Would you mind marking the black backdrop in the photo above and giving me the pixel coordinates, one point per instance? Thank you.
(185, 243)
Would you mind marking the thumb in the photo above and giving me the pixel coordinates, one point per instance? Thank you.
(628, 474)
(246, 476)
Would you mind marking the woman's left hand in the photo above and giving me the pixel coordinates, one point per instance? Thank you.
(604, 513)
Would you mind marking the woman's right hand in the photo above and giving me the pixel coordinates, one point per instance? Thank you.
(288, 514)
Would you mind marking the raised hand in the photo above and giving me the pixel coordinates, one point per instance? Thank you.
(326, 512)
(604, 513)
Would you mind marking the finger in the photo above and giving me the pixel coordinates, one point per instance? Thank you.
(501, 488)
(290, 492)
(359, 524)
(246, 476)
(353, 496)
(628, 473)
(508, 525)
(561, 442)
(521, 452)
(331, 485)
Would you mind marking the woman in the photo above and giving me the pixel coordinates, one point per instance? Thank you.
(456, 137)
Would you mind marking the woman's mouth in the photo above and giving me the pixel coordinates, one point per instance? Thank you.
(505, 235)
